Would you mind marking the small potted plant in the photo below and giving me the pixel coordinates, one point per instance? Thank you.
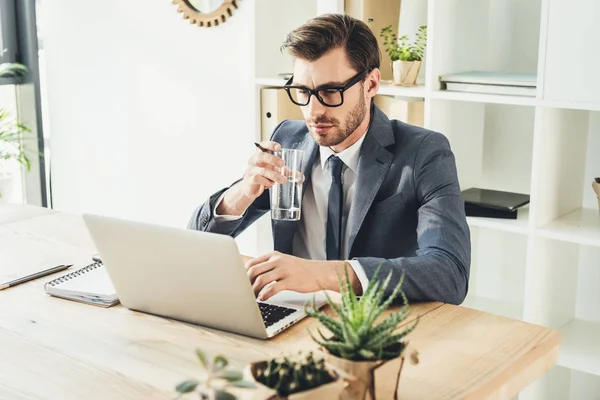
(215, 380)
(406, 57)
(360, 346)
(300, 377)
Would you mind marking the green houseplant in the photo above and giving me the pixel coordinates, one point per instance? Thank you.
(12, 69)
(12, 147)
(406, 57)
(302, 376)
(215, 379)
(12, 150)
(360, 342)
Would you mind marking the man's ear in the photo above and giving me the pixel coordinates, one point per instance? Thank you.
(373, 79)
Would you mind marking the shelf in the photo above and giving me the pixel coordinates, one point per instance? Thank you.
(581, 226)
(484, 98)
(580, 346)
(384, 88)
(498, 307)
(573, 105)
(390, 89)
(519, 225)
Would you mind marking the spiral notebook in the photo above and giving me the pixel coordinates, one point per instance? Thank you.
(90, 284)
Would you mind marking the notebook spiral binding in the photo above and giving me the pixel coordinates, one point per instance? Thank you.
(75, 274)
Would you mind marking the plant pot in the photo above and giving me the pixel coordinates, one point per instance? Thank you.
(406, 72)
(371, 378)
(331, 390)
(596, 187)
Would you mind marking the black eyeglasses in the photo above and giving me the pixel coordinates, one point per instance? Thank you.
(329, 96)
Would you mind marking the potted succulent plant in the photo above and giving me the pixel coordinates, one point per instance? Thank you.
(358, 344)
(406, 57)
(300, 377)
(215, 380)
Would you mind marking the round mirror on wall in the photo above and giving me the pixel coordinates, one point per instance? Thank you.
(206, 13)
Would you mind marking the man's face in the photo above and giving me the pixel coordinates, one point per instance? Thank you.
(330, 126)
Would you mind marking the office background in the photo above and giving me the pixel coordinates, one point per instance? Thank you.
(145, 115)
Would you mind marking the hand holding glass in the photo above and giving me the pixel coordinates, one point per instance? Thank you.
(286, 198)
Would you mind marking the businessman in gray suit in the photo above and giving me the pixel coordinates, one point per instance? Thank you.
(376, 190)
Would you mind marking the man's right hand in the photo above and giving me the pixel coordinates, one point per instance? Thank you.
(261, 173)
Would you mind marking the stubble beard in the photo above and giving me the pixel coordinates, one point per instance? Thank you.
(337, 134)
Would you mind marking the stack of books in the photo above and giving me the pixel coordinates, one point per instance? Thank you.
(490, 82)
(493, 203)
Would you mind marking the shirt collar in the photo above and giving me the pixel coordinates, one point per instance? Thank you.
(349, 156)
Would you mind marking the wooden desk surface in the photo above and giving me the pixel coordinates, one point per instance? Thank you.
(52, 348)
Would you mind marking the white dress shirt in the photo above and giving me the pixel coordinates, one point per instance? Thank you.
(310, 238)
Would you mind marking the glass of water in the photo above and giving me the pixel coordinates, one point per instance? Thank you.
(286, 199)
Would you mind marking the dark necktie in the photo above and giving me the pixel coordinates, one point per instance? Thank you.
(334, 210)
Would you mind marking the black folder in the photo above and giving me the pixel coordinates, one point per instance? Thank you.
(493, 203)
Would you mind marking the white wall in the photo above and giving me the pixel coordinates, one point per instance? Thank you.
(149, 114)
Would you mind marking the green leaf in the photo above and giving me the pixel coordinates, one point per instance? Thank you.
(338, 310)
(219, 363)
(350, 336)
(202, 358)
(231, 375)
(337, 346)
(334, 326)
(243, 384)
(401, 335)
(224, 395)
(187, 386)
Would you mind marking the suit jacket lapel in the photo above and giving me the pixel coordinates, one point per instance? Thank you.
(373, 165)
(284, 231)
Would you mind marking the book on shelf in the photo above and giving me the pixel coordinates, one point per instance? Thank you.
(493, 203)
(489, 82)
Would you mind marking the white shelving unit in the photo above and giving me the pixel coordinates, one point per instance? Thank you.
(544, 267)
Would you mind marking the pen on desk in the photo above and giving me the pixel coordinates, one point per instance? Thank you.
(34, 276)
(262, 148)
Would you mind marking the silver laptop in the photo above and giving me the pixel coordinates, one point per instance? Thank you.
(192, 276)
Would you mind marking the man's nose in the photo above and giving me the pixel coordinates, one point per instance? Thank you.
(315, 107)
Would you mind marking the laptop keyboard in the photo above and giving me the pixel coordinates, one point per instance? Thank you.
(272, 313)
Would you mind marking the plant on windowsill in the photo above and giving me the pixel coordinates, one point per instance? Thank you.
(299, 377)
(361, 346)
(12, 148)
(12, 151)
(215, 380)
(406, 57)
(12, 70)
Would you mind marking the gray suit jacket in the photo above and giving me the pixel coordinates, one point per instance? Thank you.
(407, 211)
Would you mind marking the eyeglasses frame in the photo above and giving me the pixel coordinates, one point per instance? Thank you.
(315, 92)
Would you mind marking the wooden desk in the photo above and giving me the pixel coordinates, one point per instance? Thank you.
(52, 348)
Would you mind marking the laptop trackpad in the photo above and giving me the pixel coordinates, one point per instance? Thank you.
(290, 298)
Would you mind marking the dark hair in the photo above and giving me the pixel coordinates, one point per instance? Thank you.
(327, 32)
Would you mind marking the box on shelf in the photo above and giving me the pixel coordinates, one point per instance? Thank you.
(275, 106)
(409, 111)
(493, 203)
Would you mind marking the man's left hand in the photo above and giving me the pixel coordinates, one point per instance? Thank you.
(285, 272)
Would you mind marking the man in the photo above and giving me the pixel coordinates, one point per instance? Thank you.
(395, 185)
